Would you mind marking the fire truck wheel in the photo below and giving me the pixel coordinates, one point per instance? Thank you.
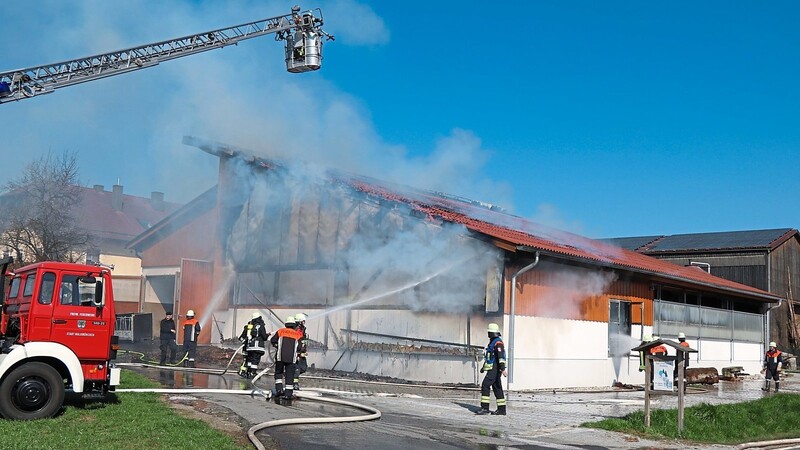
(31, 391)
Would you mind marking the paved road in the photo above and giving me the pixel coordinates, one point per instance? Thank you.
(439, 418)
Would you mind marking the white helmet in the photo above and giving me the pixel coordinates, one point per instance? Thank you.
(289, 320)
(255, 315)
(190, 313)
(300, 317)
(772, 344)
(681, 336)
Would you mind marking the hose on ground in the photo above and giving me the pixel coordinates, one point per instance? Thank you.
(142, 358)
(793, 442)
(374, 414)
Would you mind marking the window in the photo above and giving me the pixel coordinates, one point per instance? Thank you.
(30, 282)
(47, 288)
(76, 292)
(619, 327)
(14, 291)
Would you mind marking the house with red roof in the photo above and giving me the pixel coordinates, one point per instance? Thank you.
(111, 219)
(403, 282)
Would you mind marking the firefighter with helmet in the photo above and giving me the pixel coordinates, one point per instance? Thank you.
(254, 337)
(302, 350)
(773, 364)
(191, 330)
(682, 341)
(285, 342)
(494, 364)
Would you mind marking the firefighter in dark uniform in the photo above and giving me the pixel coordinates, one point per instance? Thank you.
(773, 364)
(285, 341)
(302, 350)
(191, 329)
(494, 364)
(167, 337)
(254, 337)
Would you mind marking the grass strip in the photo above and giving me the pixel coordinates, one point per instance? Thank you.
(773, 417)
(135, 421)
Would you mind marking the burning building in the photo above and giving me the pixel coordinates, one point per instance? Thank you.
(402, 282)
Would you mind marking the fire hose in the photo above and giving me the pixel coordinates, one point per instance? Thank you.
(788, 443)
(374, 414)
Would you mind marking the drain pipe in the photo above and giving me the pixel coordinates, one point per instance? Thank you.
(511, 338)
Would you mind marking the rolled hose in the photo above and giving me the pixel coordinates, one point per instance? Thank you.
(374, 414)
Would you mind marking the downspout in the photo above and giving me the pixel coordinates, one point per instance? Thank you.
(511, 318)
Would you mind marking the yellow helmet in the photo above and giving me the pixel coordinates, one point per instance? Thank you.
(255, 315)
(289, 320)
(772, 344)
(647, 338)
(300, 317)
(493, 328)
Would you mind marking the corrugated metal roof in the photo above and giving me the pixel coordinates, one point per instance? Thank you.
(490, 221)
(728, 240)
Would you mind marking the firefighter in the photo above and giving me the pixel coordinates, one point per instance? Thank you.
(302, 350)
(254, 337)
(191, 329)
(494, 364)
(167, 337)
(645, 339)
(285, 342)
(773, 364)
(682, 341)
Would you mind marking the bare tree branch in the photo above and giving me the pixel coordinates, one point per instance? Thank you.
(41, 211)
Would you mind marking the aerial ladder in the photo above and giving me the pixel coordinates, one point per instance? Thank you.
(301, 31)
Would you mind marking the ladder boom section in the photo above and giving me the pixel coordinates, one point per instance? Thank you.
(24, 83)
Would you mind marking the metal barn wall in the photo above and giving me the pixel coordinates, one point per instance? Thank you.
(195, 240)
(785, 281)
(559, 291)
(748, 268)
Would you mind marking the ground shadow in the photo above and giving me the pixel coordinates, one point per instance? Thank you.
(469, 406)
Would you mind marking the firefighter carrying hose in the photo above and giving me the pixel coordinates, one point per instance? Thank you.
(773, 364)
(302, 350)
(494, 364)
(285, 341)
(254, 337)
(191, 329)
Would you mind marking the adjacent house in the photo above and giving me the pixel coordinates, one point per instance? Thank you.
(765, 259)
(112, 219)
(403, 282)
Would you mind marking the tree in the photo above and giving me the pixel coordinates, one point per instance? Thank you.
(40, 212)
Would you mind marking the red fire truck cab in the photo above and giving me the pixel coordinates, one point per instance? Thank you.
(57, 330)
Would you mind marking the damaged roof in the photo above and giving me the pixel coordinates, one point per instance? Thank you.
(510, 232)
(750, 240)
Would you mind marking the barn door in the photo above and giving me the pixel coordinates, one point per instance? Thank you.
(195, 293)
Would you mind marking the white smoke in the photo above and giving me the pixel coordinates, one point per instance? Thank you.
(567, 292)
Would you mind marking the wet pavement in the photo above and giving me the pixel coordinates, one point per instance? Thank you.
(435, 417)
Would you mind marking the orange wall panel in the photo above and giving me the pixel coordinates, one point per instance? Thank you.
(568, 292)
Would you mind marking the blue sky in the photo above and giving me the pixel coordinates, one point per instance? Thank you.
(601, 118)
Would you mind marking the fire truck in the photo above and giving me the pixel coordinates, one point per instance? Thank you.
(56, 334)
